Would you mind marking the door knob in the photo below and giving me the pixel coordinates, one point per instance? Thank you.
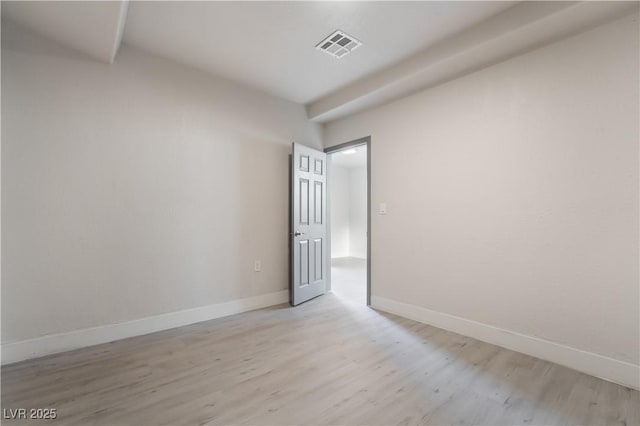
(295, 234)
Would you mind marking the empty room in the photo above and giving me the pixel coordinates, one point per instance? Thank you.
(320, 213)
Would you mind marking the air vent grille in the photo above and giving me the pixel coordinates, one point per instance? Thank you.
(338, 44)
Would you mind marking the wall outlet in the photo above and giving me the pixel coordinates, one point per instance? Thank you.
(257, 266)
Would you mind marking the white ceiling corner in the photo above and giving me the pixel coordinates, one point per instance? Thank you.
(94, 28)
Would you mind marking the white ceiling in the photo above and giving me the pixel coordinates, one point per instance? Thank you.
(271, 45)
(350, 161)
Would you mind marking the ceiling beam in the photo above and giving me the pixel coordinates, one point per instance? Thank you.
(526, 26)
(119, 30)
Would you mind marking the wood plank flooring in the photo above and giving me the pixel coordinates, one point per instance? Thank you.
(324, 362)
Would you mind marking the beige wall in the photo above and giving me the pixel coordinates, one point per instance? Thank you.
(512, 194)
(339, 206)
(348, 206)
(358, 212)
(135, 189)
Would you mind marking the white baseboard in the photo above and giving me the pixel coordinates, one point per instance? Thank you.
(606, 368)
(350, 256)
(339, 255)
(359, 255)
(54, 343)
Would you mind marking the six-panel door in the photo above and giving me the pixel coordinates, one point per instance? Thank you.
(309, 228)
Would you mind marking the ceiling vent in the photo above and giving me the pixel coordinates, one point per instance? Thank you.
(338, 44)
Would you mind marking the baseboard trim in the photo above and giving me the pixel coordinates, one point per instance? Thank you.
(54, 343)
(339, 255)
(600, 366)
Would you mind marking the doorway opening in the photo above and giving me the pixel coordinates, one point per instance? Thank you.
(349, 221)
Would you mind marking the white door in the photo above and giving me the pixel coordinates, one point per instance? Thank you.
(308, 223)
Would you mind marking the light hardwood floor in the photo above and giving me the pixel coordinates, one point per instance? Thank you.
(324, 362)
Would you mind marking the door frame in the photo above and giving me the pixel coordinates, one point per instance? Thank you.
(332, 150)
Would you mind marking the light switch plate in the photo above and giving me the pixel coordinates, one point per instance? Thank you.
(383, 208)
